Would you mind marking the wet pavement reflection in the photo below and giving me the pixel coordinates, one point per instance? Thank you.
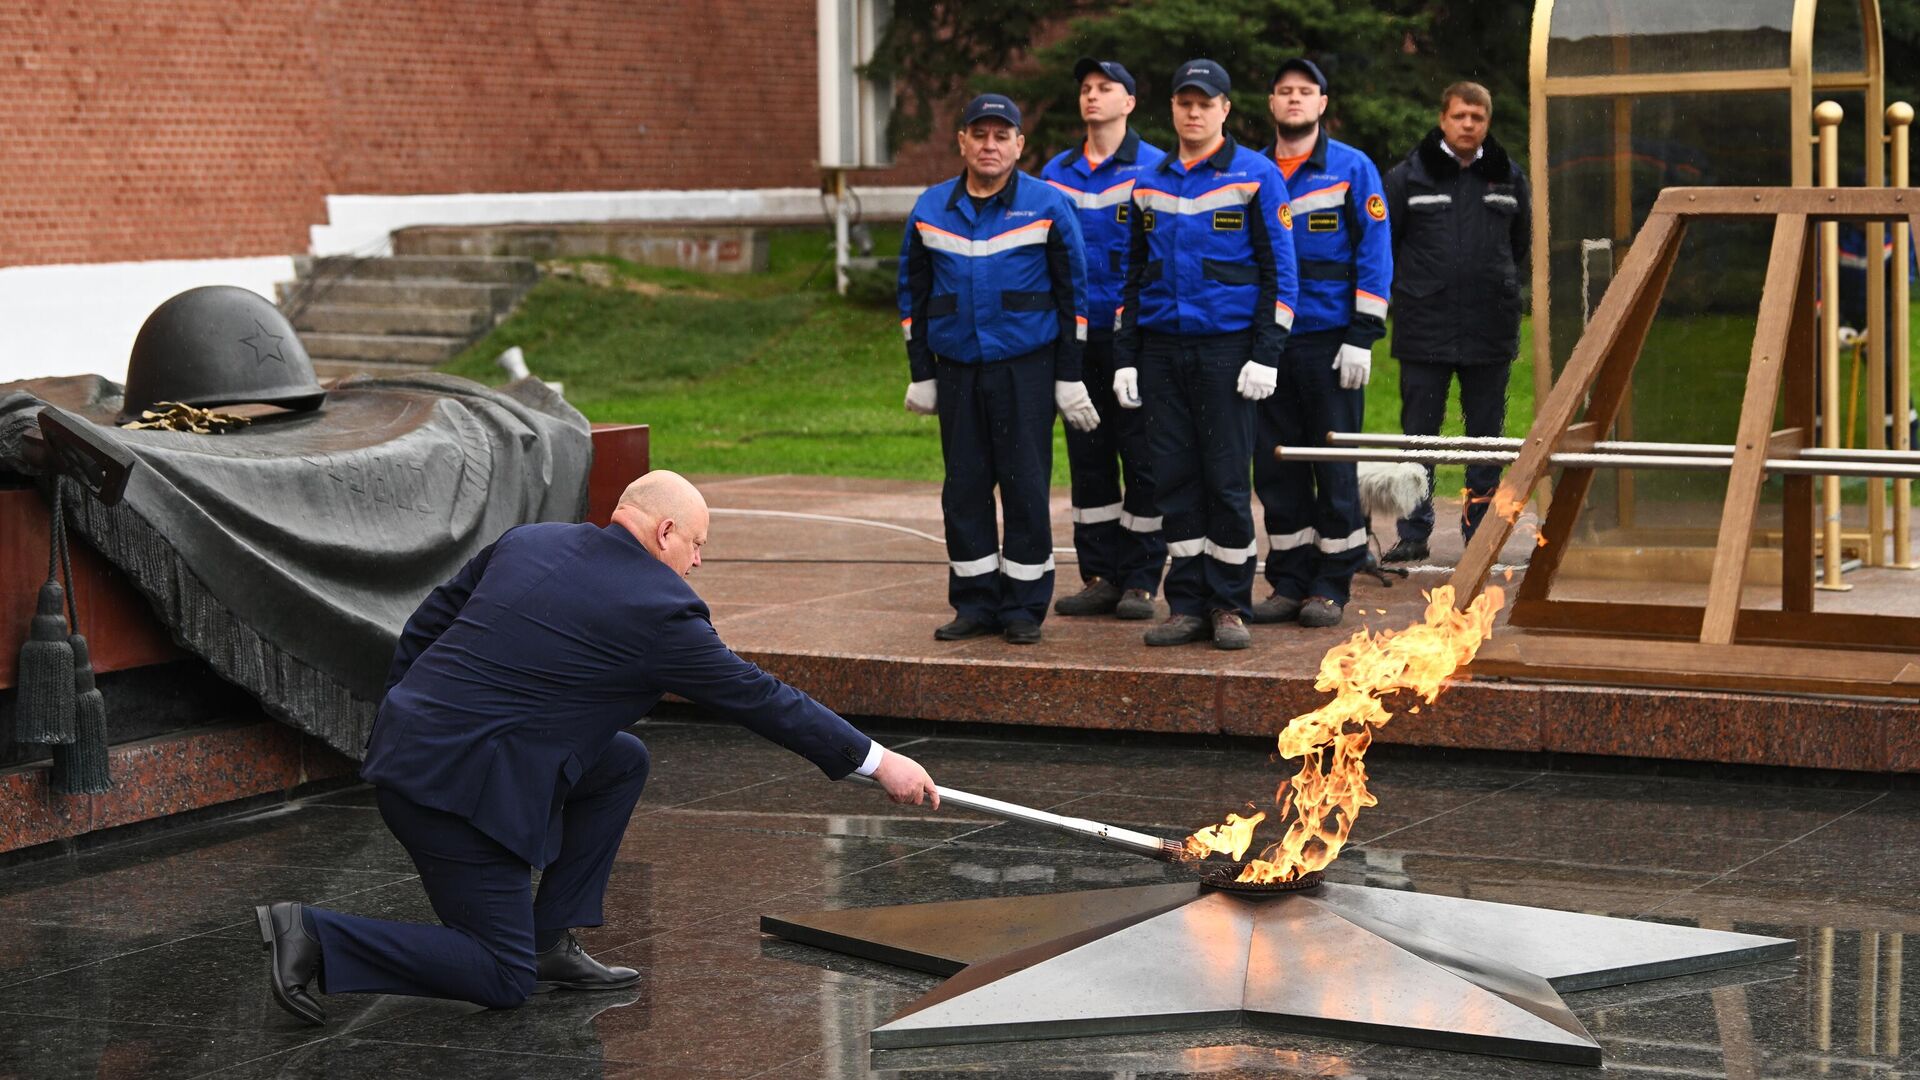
(141, 960)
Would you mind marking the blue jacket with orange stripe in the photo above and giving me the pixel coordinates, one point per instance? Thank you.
(1103, 192)
(996, 281)
(1210, 253)
(1342, 241)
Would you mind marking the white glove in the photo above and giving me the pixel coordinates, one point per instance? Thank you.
(1076, 406)
(1126, 387)
(1257, 381)
(923, 396)
(1355, 366)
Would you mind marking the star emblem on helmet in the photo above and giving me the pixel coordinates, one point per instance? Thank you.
(264, 343)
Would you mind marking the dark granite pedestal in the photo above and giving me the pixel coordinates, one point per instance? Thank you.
(143, 960)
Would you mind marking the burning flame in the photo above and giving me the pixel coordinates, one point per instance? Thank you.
(1321, 801)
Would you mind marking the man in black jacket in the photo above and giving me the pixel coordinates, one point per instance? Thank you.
(1461, 215)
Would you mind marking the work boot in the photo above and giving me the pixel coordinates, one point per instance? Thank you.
(1098, 597)
(1319, 611)
(1023, 632)
(566, 966)
(1135, 604)
(1275, 609)
(1406, 551)
(1229, 632)
(1179, 630)
(961, 629)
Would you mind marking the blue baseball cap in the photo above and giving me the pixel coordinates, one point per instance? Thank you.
(1110, 68)
(1305, 67)
(991, 106)
(1205, 75)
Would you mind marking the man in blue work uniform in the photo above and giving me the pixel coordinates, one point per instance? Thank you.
(1116, 537)
(1206, 312)
(1316, 533)
(500, 747)
(993, 300)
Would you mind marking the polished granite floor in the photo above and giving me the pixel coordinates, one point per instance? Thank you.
(141, 960)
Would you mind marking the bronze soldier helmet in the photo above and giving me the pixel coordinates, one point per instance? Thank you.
(219, 345)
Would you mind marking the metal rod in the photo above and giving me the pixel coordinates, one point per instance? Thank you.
(1826, 117)
(1779, 466)
(1900, 121)
(1483, 442)
(1138, 843)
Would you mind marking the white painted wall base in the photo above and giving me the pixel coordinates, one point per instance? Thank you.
(361, 224)
(80, 319)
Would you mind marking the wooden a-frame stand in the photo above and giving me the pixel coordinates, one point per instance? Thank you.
(1719, 646)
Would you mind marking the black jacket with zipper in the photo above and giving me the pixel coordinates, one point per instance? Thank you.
(1461, 242)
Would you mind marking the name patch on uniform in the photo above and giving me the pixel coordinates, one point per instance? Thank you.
(1146, 220)
(1229, 220)
(1122, 213)
(1323, 221)
(1376, 207)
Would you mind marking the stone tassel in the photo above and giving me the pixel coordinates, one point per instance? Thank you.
(81, 768)
(44, 705)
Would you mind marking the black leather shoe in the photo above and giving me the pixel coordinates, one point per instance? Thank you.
(961, 629)
(296, 959)
(567, 966)
(1406, 551)
(1099, 597)
(1022, 632)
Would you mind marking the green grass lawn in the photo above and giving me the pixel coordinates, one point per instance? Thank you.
(774, 373)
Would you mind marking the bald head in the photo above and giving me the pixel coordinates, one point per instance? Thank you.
(668, 515)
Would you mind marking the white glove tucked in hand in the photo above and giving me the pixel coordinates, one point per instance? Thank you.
(1257, 381)
(923, 396)
(1076, 406)
(1126, 387)
(1355, 366)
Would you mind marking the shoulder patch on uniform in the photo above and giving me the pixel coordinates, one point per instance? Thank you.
(1376, 207)
(1286, 217)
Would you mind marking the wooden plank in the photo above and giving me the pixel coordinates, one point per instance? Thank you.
(1797, 499)
(1881, 632)
(1768, 360)
(1692, 664)
(1611, 383)
(1787, 443)
(1846, 204)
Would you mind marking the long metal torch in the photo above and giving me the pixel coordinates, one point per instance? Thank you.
(1137, 843)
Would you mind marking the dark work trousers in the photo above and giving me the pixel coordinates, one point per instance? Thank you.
(996, 430)
(489, 913)
(1201, 433)
(1423, 404)
(1116, 538)
(1316, 534)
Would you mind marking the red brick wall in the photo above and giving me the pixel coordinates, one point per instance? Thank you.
(146, 129)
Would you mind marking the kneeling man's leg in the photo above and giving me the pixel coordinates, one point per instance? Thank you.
(595, 819)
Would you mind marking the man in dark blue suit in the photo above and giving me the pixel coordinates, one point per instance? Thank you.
(501, 747)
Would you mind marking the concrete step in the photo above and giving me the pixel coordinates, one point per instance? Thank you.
(507, 270)
(427, 292)
(328, 367)
(403, 348)
(373, 319)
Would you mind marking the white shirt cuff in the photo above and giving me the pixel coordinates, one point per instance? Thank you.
(874, 753)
